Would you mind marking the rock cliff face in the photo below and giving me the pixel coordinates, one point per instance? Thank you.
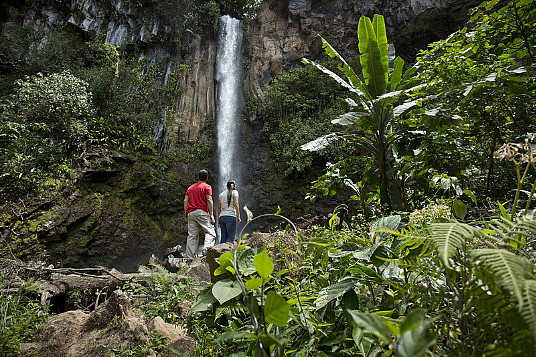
(285, 30)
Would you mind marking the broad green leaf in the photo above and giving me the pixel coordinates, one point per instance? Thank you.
(245, 261)
(350, 300)
(235, 335)
(253, 283)
(373, 58)
(413, 320)
(378, 24)
(204, 301)
(335, 77)
(225, 290)
(276, 310)
(371, 323)
(396, 75)
(390, 222)
(363, 270)
(344, 67)
(460, 208)
(415, 342)
(400, 109)
(470, 194)
(349, 118)
(263, 264)
(321, 142)
(226, 264)
(334, 291)
(271, 340)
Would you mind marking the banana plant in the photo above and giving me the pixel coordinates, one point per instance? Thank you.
(377, 89)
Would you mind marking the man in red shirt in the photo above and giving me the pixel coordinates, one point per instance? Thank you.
(199, 211)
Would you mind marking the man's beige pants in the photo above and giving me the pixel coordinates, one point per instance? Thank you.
(199, 222)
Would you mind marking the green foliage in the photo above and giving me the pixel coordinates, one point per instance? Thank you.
(162, 294)
(478, 92)
(20, 317)
(350, 293)
(43, 123)
(297, 107)
(106, 98)
(373, 111)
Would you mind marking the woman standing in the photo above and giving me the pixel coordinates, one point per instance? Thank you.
(228, 213)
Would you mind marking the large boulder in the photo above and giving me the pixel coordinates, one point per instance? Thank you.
(113, 326)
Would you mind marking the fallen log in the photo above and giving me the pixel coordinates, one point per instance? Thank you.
(55, 282)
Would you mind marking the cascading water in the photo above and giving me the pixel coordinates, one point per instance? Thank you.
(229, 99)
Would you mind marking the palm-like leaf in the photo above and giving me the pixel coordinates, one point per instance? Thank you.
(449, 237)
(351, 118)
(505, 232)
(374, 54)
(344, 66)
(321, 142)
(336, 77)
(396, 74)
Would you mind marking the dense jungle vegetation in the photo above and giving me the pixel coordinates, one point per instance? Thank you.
(433, 251)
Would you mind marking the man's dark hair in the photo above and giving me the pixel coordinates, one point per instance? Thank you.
(203, 175)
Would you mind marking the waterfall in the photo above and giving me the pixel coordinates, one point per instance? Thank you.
(229, 100)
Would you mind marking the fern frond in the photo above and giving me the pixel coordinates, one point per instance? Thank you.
(449, 237)
(510, 270)
(505, 232)
(528, 308)
(230, 308)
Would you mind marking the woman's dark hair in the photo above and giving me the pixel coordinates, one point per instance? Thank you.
(231, 185)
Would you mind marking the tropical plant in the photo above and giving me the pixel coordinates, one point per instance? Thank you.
(477, 93)
(21, 313)
(43, 124)
(293, 110)
(476, 281)
(374, 113)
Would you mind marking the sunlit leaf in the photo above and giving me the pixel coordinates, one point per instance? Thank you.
(276, 310)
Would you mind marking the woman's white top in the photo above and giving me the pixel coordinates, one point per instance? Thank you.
(227, 210)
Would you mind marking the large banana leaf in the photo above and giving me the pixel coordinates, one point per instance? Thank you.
(396, 74)
(344, 66)
(337, 78)
(374, 54)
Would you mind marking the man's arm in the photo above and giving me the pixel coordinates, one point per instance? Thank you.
(210, 205)
(185, 204)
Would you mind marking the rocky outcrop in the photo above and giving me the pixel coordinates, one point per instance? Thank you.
(283, 32)
(286, 30)
(117, 212)
(113, 326)
(195, 100)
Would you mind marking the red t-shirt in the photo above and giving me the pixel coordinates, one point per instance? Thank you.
(197, 196)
